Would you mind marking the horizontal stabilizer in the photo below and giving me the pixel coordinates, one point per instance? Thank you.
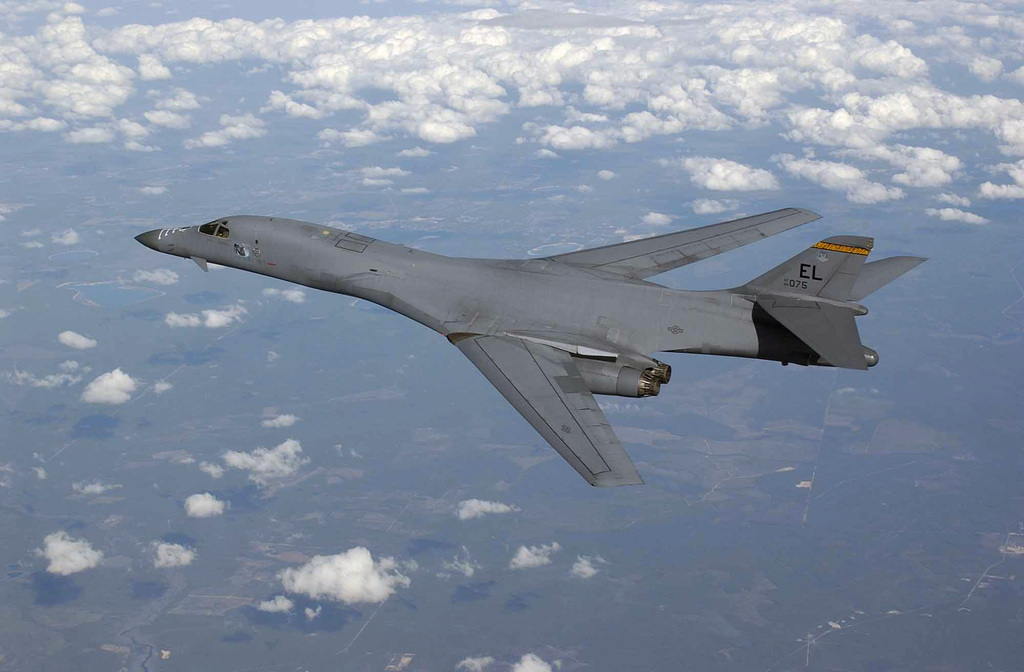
(878, 274)
(826, 328)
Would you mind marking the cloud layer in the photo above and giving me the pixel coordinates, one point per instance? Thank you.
(844, 83)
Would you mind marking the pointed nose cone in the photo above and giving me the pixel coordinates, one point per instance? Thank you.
(149, 239)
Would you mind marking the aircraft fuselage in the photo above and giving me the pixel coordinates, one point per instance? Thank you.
(537, 298)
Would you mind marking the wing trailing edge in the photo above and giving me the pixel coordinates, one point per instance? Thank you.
(639, 259)
(544, 385)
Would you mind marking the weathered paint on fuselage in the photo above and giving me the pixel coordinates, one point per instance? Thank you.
(451, 295)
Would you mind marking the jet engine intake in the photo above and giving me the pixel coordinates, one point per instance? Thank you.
(618, 380)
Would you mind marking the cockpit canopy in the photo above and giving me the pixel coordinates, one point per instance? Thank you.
(217, 228)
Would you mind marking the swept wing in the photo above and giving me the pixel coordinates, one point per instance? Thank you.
(643, 258)
(544, 385)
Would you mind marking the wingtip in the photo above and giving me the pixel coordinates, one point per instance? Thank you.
(611, 480)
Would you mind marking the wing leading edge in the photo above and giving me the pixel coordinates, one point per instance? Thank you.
(544, 385)
(643, 258)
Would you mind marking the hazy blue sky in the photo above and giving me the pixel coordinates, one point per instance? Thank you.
(220, 471)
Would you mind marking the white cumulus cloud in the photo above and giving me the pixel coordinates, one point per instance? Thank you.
(242, 127)
(584, 567)
(161, 386)
(352, 577)
(841, 177)
(955, 215)
(726, 175)
(279, 100)
(282, 420)
(217, 319)
(47, 382)
(167, 119)
(211, 468)
(211, 319)
(157, 277)
(656, 219)
(150, 68)
(378, 172)
(708, 206)
(953, 199)
(66, 237)
(75, 340)
(173, 555)
(476, 664)
(414, 152)
(177, 320)
(204, 505)
(528, 557)
(921, 166)
(93, 135)
(290, 295)
(266, 464)
(93, 488)
(181, 101)
(461, 563)
(278, 605)
(1007, 191)
(68, 555)
(531, 662)
(985, 68)
(477, 508)
(114, 387)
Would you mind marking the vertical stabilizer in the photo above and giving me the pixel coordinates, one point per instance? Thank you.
(828, 269)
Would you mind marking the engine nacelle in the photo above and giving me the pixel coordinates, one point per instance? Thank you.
(602, 377)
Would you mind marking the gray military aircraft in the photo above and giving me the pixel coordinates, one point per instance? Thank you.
(550, 333)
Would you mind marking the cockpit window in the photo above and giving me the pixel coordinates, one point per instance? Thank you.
(218, 228)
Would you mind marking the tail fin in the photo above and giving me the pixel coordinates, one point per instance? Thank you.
(812, 295)
(828, 269)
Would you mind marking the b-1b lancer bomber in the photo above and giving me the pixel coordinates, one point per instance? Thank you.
(550, 333)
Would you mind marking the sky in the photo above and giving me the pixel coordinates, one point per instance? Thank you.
(218, 469)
